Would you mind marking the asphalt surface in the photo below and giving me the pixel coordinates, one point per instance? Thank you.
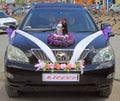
(115, 42)
(3, 45)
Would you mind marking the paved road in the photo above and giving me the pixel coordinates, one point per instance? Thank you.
(3, 45)
(61, 96)
(115, 42)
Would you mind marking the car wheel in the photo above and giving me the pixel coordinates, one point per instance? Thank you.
(11, 92)
(106, 92)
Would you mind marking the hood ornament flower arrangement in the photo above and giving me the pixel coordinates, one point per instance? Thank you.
(61, 40)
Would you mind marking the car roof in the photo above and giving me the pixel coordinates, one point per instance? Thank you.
(58, 5)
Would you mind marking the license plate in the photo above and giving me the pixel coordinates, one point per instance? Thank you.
(55, 77)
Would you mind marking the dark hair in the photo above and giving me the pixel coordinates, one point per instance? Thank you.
(65, 19)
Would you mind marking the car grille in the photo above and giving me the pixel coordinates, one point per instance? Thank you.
(9, 23)
(61, 55)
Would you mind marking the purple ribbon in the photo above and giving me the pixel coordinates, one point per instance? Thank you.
(106, 32)
(9, 31)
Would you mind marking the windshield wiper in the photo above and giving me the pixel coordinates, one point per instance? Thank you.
(83, 31)
(39, 29)
(48, 30)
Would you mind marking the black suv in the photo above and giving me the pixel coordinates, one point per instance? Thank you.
(39, 58)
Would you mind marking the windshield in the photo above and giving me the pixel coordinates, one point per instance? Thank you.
(3, 15)
(44, 19)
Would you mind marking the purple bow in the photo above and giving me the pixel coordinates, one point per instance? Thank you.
(106, 32)
(9, 31)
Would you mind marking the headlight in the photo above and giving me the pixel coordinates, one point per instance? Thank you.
(106, 54)
(1, 24)
(15, 54)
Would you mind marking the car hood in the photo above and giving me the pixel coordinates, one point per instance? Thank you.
(6, 20)
(25, 44)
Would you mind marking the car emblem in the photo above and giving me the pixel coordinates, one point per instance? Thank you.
(61, 55)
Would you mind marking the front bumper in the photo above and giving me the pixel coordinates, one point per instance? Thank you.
(27, 79)
(3, 29)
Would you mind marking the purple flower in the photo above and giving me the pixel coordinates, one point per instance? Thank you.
(61, 40)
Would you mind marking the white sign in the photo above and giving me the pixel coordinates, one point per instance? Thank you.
(54, 77)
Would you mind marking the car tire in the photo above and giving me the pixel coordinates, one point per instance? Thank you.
(11, 92)
(105, 92)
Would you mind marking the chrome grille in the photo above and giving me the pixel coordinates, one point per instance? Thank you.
(62, 55)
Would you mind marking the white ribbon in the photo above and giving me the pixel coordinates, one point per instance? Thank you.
(39, 43)
(80, 47)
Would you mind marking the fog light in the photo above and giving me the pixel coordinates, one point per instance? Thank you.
(110, 76)
(9, 75)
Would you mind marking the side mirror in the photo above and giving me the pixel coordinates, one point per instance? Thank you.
(13, 27)
(104, 25)
(107, 30)
(10, 30)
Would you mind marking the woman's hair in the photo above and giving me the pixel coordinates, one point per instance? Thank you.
(60, 19)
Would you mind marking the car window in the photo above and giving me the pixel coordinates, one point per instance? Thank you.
(77, 20)
(118, 5)
(3, 15)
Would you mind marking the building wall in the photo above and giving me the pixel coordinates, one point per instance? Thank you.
(106, 5)
(83, 1)
(40, 0)
(117, 1)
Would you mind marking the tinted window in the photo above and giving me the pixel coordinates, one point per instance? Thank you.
(3, 15)
(77, 20)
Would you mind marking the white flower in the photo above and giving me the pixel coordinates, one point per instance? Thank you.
(63, 66)
(82, 63)
(51, 65)
(56, 35)
(41, 64)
